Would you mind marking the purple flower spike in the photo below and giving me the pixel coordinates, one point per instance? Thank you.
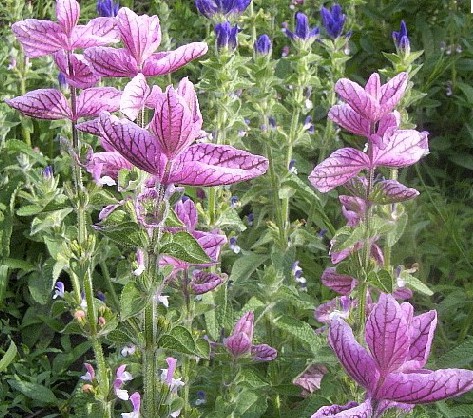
(141, 36)
(401, 40)
(350, 410)
(333, 20)
(392, 370)
(226, 35)
(210, 8)
(203, 282)
(263, 352)
(44, 37)
(263, 45)
(107, 8)
(302, 30)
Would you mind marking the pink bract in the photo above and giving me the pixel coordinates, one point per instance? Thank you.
(44, 37)
(141, 36)
(391, 370)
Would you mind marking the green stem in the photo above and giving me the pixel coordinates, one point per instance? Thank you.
(150, 374)
(85, 258)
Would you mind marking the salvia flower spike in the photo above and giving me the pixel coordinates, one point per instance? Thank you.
(392, 368)
(45, 37)
(302, 30)
(333, 20)
(141, 36)
(212, 8)
(401, 39)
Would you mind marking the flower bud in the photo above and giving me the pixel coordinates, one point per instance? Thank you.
(263, 45)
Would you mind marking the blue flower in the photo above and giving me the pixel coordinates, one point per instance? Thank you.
(333, 20)
(302, 30)
(263, 45)
(107, 8)
(209, 8)
(226, 35)
(401, 40)
(58, 290)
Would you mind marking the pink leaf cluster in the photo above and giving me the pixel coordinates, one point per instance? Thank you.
(392, 368)
(141, 36)
(370, 112)
(165, 148)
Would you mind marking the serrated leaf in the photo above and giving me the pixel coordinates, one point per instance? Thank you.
(132, 301)
(299, 330)
(8, 357)
(14, 263)
(29, 210)
(34, 391)
(179, 339)
(460, 356)
(183, 246)
(129, 234)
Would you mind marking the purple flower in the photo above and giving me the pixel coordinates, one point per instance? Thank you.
(263, 45)
(167, 375)
(44, 37)
(226, 35)
(210, 8)
(333, 20)
(121, 377)
(233, 245)
(392, 369)
(107, 8)
(58, 290)
(302, 31)
(401, 40)
(90, 375)
(141, 36)
(135, 400)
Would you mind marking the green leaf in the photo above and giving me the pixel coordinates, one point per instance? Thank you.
(415, 284)
(183, 246)
(132, 301)
(14, 263)
(179, 339)
(250, 404)
(29, 210)
(229, 219)
(382, 280)
(393, 236)
(8, 357)
(34, 391)
(129, 234)
(245, 265)
(299, 330)
(460, 356)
